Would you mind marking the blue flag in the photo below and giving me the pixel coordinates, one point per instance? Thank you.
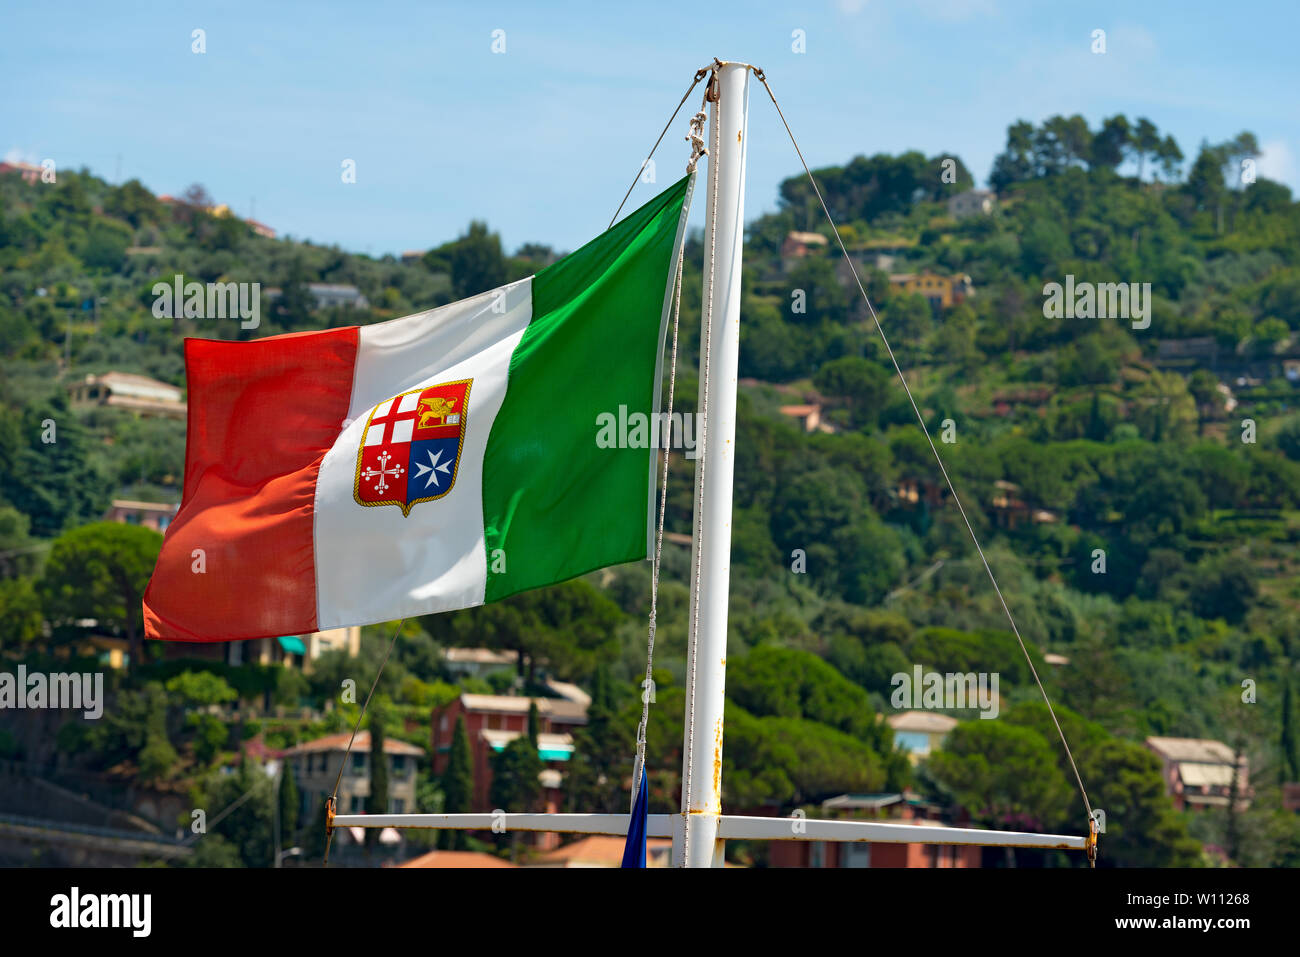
(634, 850)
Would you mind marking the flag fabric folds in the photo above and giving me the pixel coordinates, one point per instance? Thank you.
(429, 463)
(634, 849)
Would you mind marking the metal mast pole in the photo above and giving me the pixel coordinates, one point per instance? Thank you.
(695, 832)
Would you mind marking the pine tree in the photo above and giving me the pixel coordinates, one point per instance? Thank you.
(458, 783)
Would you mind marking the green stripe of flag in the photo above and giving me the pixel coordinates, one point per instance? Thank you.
(555, 504)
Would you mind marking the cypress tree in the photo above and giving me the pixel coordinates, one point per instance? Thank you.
(534, 723)
(289, 801)
(458, 783)
(377, 802)
(1290, 744)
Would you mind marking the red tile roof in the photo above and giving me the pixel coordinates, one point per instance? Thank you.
(339, 742)
(455, 859)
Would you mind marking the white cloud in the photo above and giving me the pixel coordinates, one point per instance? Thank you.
(1276, 162)
(16, 154)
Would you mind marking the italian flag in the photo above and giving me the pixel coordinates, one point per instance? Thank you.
(430, 463)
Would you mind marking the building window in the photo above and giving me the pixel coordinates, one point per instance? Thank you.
(396, 806)
(358, 764)
(855, 854)
(355, 804)
(399, 765)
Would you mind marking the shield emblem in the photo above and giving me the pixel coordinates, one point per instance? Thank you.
(410, 447)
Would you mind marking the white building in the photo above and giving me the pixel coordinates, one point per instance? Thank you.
(973, 202)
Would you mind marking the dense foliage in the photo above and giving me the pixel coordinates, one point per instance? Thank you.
(1137, 489)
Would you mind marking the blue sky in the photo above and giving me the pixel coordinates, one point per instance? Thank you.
(541, 141)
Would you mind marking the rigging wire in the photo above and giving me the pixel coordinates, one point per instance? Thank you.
(330, 804)
(920, 419)
(699, 75)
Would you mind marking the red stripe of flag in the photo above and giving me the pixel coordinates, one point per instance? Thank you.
(262, 415)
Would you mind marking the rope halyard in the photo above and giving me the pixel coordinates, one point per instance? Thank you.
(639, 763)
(920, 419)
(332, 803)
(696, 139)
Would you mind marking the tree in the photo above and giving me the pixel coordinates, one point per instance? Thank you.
(533, 722)
(1223, 588)
(863, 384)
(824, 297)
(197, 195)
(1111, 143)
(1170, 158)
(294, 306)
(1015, 164)
(570, 627)
(100, 571)
(1289, 743)
(200, 689)
(458, 782)
(1143, 829)
(1062, 142)
(157, 757)
(515, 783)
(1145, 141)
(1205, 183)
(475, 261)
(377, 801)
(515, 768)
(47, 467)
(1003, 775)
(134, 203)
(289, 802)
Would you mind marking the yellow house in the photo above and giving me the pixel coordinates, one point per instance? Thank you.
(940, 291)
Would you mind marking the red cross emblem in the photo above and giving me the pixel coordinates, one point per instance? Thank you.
(410, 447)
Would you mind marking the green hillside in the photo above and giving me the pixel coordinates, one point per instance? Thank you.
(1137, 487)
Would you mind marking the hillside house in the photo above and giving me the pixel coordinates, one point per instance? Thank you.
(492, 722)
(973, 202)
(920, 732)
(155, 515)
(1198, 772)
(940, 292)
(905, 808)
(798, 245)
(315, 766)
(124, 390)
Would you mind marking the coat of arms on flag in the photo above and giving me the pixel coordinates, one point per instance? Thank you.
(411, 446)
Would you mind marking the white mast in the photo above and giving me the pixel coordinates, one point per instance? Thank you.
(695, 835)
